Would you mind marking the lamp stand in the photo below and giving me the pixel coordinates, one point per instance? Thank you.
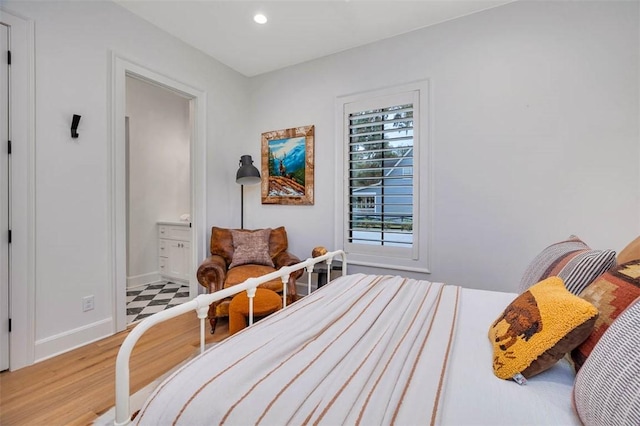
(241, 206)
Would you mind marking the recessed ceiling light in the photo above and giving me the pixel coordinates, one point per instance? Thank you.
(260, 18)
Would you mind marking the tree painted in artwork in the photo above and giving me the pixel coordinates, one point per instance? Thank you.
(272, 164)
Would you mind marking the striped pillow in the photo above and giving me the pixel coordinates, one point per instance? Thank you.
(606, 390)
(572, 260)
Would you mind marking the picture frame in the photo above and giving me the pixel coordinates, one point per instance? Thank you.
(288, 166)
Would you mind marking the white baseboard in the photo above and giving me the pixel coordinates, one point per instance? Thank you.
(64, 342)
(143, 279)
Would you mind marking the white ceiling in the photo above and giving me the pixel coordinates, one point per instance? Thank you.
(297, 31)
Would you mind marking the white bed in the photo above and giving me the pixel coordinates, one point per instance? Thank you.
(475, 396)
(364, 350)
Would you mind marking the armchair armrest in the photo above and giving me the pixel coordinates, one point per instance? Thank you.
(287, 259)
(212, 273)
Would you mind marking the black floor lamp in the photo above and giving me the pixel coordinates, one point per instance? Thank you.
(247, 175)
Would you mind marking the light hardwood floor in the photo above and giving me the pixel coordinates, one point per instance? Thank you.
(75, 388)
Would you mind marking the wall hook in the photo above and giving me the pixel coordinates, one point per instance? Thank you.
(74, 125)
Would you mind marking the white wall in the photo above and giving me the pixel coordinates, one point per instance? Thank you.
(74, 43)
(159, 164)
(534, 133)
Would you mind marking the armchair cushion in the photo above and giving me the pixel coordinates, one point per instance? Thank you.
(251, 248)
(242, 273)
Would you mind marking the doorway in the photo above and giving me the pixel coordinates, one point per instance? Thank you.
(122, 69)
(158, 139)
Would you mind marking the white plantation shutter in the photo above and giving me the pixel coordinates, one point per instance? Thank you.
(381, 185)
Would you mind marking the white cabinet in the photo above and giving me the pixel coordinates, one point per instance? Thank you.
(174, 250)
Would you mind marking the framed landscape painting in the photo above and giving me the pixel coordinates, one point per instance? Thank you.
(287, 166)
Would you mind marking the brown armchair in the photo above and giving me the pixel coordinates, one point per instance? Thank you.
(238, 254)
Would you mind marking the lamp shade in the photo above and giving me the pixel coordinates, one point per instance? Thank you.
(247, 173)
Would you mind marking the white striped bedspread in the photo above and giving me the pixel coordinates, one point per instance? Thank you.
(364, 350)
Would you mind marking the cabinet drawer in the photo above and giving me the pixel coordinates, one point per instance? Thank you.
(162, 248)
(182, 233)
(163, 265)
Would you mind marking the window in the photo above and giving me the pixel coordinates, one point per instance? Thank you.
(381, 146)
(364, 202)
(380, 149)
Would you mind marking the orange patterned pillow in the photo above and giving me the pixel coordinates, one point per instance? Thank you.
(611, 293)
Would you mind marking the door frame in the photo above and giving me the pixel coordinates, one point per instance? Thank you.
(121, 68)
(22, 189)
(5, 170)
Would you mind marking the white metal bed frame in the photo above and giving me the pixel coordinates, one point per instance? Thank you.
(201, 305)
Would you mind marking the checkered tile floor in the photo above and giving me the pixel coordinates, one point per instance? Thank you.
(145, 301)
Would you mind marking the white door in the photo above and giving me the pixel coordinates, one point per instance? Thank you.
(4, 199)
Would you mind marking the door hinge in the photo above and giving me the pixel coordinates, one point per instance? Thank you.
(9, 325)
(8, 57)
(9, 236)
(8, 147)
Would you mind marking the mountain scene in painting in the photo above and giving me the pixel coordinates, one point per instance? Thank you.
(287, 167)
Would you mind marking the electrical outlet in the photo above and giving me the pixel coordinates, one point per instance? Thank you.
(87, 303)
